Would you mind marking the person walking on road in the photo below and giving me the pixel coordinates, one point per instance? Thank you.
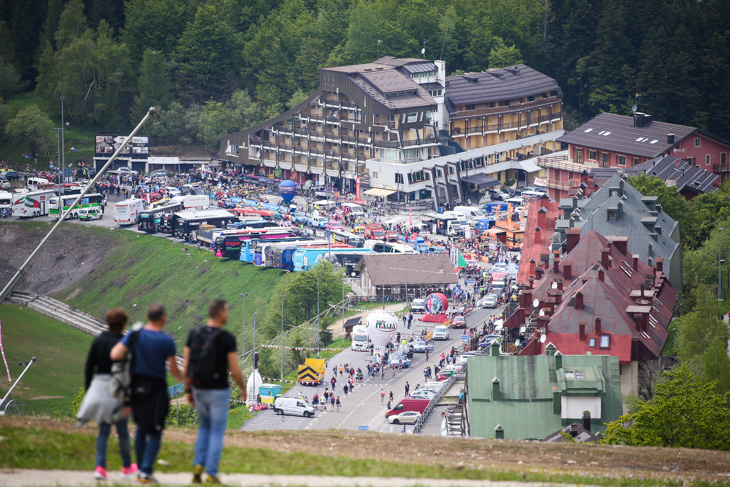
(150, 402)
(332, 402)
(408, 388)
(382, 396)
(337, 403)
(210, 353)
(98, 405)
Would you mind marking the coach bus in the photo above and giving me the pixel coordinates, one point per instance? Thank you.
(94, 200)
(150, 220)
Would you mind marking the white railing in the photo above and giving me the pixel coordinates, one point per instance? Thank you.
(433, 402)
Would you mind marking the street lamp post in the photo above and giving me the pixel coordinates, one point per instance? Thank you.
(63, 145)
(282, 340)
(318, 315)
(344, 271)
(243, 329)
(719, 264)
(255, 362)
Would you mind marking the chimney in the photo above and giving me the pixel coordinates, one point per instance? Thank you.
(635, 263)
(601, 274)
(621, 244)
(605, 257)
(558, 360)
(532, 267)
(499, 432)
(556, 264)
(641, 288)
(621, 187)
(495, 349)
(538, 273)
(541, 217)
(660, 264)
(574, 429)
(620, 206)
(637, 321)
(583, 178)
(571, 222)
(670, 138)
(538, 232)
(574, 201)
(579, 300)
(567, 271)
(651, 249)
(597, 329)
(544, 200)
(572, 237)
(495, 389)
(582, 330)
(587, 420)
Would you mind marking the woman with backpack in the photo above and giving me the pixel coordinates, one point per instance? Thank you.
(98, 404)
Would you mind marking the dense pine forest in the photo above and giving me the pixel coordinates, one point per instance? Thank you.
(215, 66)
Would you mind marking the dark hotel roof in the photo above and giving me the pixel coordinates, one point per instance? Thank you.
(498, 84)
(617, 133)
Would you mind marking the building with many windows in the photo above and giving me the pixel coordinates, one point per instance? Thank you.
(618, 141)
(399, 125)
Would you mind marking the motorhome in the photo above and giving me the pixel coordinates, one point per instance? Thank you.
(360, 339)
(127, 212)
(32, 204)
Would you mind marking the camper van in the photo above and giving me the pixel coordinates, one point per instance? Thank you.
(360, 339)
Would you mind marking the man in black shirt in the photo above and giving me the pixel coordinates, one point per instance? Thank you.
(210, 353)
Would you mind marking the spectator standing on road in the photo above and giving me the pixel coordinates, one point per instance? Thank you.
(98, 405)
(150, 402)
(210, 353)
(408, 388)
(337, 403)
(382, 396)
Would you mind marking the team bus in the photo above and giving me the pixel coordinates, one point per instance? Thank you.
(31, 204)
(186, 223)
(230, 244)
(304, 259)
(150, 220)
(347, 238)
(94, 200)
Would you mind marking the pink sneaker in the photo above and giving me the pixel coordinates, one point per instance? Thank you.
(100, 473)
(129, 472)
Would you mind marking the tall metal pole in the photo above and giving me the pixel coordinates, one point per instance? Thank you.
(255, 362)
(405, 262)
(243, 329)
(318, 315)
(719, 264)
(383, 289)
(282, 340)
(63, 147)
(16, 278)
(17, 381)
(58, 159)
(344, 272)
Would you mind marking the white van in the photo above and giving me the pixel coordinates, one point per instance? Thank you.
(355, 209)
(360, 339)
(33, 183)
(441, 332)
(293, 406)
(470, 212)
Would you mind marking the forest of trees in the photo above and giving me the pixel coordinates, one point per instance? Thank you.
(215, 66)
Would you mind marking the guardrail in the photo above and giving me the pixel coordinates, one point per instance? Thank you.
(432, 404)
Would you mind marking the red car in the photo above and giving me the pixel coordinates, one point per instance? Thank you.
(458, 322)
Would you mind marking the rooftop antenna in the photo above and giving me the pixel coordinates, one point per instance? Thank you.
(423, 51)
(636, 103)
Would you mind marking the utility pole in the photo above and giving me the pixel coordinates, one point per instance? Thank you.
(344, 272)
(317, 315)
(255, 362)
(243, 329)
(63, 148)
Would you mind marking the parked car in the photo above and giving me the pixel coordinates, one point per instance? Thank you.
(398, 358)
(293, 406)
(317, 221)
(418, 306)
(299, 217)
(11, 175)
(228, 204)
(88, 214)
(5, 184)
(498, 195)
(419, 394)
(458, 322)
(333, 225)
(406, 417)
(125, 170)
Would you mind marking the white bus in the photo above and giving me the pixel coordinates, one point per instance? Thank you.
(338, 236)
(193, 202)
(94, 200)
(127, 212)
(31, 204)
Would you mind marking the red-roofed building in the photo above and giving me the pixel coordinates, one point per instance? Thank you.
(598, 299)
(539, 227)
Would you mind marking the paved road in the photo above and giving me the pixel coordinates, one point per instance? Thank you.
(362, 407)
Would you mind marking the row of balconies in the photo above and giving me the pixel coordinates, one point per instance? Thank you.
(481, 129)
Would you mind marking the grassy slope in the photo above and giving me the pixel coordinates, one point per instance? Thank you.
(144, 269)
(60, 350)
(76, 135)
(42, 448)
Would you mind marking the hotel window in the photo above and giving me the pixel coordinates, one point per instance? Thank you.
(635, 161)
(604, 159)
(592, 342)
(413, 117)
(398, 178)
(691, 160)
(592, 155)
(707, 159)
(697, 141)
(605, 341)
(579, 156)
(621, 160)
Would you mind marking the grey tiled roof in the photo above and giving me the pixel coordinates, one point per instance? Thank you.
(498, 84)
(678, 173)
(616, 133)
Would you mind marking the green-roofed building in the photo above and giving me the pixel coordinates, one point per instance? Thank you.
(532, 396)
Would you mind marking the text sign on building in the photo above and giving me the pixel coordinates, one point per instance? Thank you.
(138, 147)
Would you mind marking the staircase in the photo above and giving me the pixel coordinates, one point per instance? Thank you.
(59, 311)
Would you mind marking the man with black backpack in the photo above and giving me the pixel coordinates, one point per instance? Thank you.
(210, 353)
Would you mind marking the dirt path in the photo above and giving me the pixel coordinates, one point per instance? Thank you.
(573, 459)
(336, 327)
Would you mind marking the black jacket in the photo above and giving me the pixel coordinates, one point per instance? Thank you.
(98, 361)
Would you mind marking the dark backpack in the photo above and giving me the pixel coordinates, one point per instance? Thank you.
(120, 382)
(204, 356)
